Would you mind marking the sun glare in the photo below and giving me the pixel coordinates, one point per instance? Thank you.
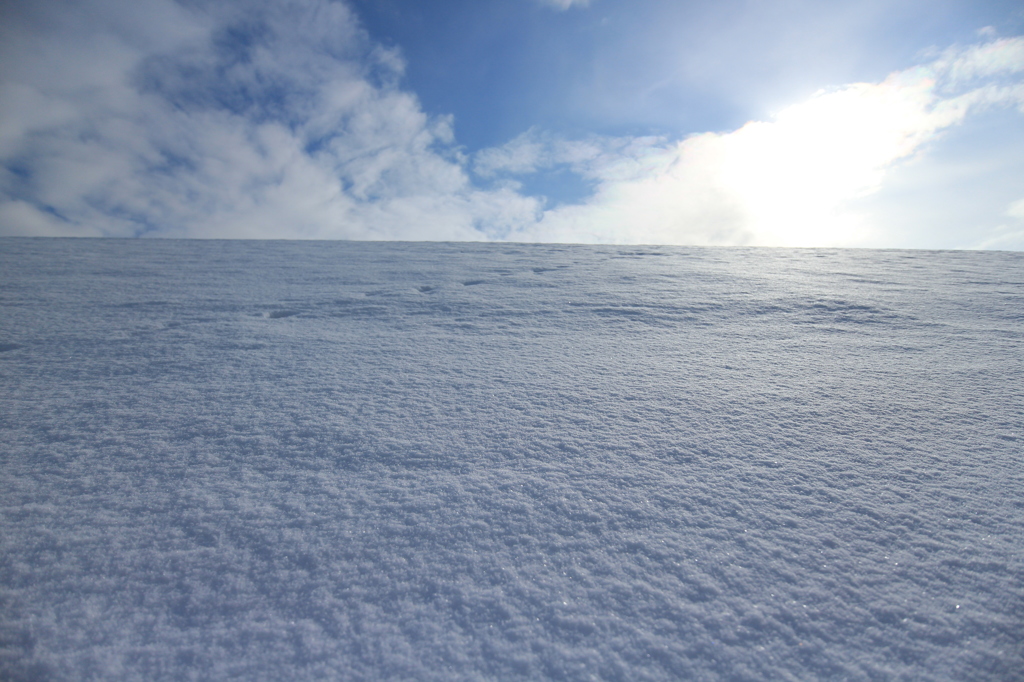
(794, 175)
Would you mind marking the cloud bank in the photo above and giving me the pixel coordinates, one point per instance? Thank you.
(286, 120)
(264, 120)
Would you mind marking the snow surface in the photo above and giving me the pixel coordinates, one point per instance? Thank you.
(302, 460)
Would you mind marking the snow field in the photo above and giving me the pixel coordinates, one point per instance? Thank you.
(287, 460)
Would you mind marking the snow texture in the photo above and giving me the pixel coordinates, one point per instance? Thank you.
(301, 460)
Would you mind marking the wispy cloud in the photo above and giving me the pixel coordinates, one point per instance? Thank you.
(1007, 235)
(536, 150)
(564, 4)
(999, 57)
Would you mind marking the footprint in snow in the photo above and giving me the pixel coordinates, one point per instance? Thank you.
(278, 314)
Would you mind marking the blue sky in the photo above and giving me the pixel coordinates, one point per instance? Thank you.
(888, 124)
(621, 67)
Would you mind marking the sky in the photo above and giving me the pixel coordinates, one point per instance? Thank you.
(744, 122)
